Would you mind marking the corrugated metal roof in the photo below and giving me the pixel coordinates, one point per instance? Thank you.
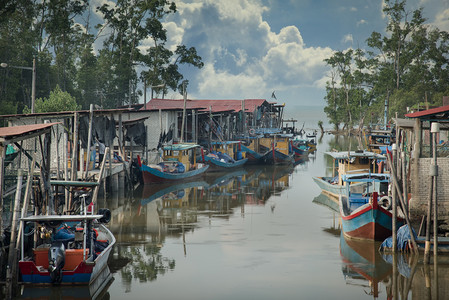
(204, 105)
(429, 112)
(7, 132)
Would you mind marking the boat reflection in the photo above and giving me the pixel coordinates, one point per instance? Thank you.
(99, 290)
(165, 211)
(326, 201)
(364, 266)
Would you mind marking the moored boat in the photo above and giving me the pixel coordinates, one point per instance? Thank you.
(225, 154)
(179, 163)
(348, 162)
(70, 249)
(366, 209)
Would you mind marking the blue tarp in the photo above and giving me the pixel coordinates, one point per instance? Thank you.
(403, 237)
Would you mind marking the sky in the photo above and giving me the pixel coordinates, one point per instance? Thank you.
(251, 48)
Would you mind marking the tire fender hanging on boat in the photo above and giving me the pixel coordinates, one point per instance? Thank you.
(385, 202)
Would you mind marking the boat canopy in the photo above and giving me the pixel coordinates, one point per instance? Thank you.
(180, 147)
(49, 218)
(353, 154)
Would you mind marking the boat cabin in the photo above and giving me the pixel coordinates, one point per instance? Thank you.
(182, 153)
(350, 162)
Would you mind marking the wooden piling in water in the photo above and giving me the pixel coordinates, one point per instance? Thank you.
(435, 129)
(394, 228)
(401, 200)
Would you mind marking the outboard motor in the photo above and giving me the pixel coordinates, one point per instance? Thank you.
(106, 215)
(56, 261)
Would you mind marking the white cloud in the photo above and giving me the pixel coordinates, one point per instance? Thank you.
(361, 22)
(348, 38)
(243, 56)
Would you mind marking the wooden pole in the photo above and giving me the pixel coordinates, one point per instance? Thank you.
(407, 219)
(89, 139)
(100, 177)
(435, 129)
(12, 255)
(394, 229)
(404, 180)
(184, 94)
(28, 189)
(74, 160)
(2, 175)
(65, 154)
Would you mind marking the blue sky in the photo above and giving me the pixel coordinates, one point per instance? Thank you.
(251, 48)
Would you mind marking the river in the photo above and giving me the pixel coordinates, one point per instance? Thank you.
(256, 233)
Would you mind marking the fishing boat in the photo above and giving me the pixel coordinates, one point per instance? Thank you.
(225, 154)
(178, 163)
(69, 249)
(281, 152)
(366, 208)
(348, 162)
(254, 150)
(299, 146)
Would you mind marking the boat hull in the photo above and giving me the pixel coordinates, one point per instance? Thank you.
(152, 175)
(369, 221)
(220, 164)
(334, 190)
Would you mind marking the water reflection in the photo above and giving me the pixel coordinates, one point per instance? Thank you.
(163, 211)
(363, 266)
(330, 203)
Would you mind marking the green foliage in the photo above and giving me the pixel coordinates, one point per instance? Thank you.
(57, 101)
(407, 66)
(48, 31)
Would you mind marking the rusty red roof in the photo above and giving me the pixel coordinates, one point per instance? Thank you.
(429, 112)
(204, 105)
(10, 132)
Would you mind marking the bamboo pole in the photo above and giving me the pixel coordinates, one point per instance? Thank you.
(89, 139)
(29, 186)
(396, 185)
(100, 177)
(74, 161)
(12, 255)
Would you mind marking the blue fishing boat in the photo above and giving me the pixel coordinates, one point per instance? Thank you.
(179, 163)
(366, 209)
(225, 154)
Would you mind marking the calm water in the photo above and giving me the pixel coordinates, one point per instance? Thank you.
(257, 233)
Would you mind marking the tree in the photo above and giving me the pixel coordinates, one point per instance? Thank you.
(131, 23)
(57, 101)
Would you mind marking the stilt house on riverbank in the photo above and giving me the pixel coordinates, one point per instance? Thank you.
(423, 160)
(202, 120)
